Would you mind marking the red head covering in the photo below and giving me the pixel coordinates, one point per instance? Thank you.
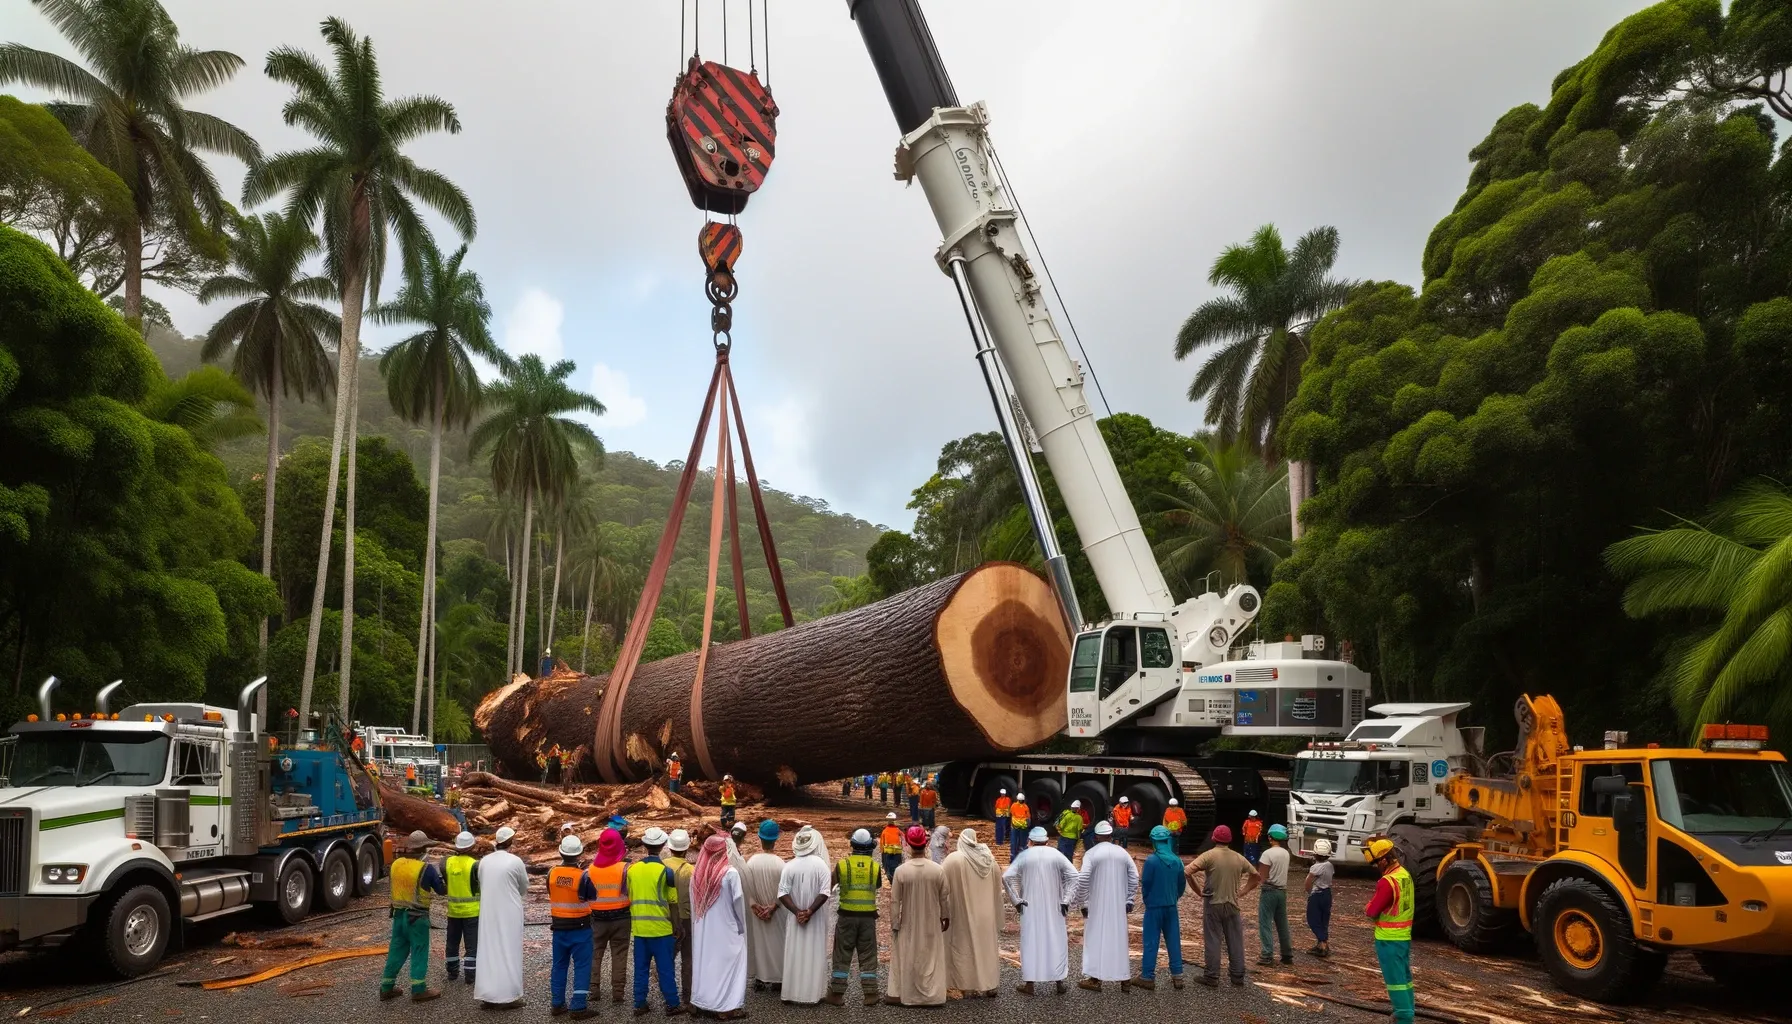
(917, 836)
(610, 848)
(706, 880)
(1222, 835)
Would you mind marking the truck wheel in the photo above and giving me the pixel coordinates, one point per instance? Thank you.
(1466, 913)
(292, 891)
(992, 788)
(337, 883)
(1744, 972)
(1094, 797)
(367, 867)
(1584, 938)
(136, 930)
(1045, 800)
(1421, 851)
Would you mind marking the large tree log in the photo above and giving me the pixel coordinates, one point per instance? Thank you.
(968, 666)
(406, 814)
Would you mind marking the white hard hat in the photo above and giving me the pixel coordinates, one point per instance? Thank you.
(1172, 801)
(679, 841)
(571, 846)
(741, 826)
(655, 836)
(675, 755)
(464, 841)
(1037, 835)
(505, 834)
(1004, 793)
(890, 816)
(547, 650)
(1021, 797)
(1322, 847)
(1253, 814)
(861, 837)
(1074, 804)
(1102, 828)
(727, 778)
(1124, 800)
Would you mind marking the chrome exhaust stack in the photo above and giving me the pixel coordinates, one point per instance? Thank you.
(102, 701)
(43, 697)
(245, 706)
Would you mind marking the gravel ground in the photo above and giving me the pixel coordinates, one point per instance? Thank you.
(1456, 986)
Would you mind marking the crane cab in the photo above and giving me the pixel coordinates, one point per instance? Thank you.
(1119, 670)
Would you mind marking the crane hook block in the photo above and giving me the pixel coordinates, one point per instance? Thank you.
(719, 245)
(723, 128)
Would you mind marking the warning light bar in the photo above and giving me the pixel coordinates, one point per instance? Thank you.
(1728, 736)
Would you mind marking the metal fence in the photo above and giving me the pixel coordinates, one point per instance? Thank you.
(469, 753)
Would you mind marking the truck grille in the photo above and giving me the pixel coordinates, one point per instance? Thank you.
(14, 857)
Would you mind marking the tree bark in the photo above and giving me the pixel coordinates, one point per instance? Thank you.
(1297, 493)
(348, 525)
(510, 623)
(133, 269)
(406, 814)
(522, 617)
(267, 528)
(554, 603)
(590, 599)
(424, 614)
(966, 666)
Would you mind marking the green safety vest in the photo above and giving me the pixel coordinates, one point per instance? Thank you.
(461, 901)
(1395, 923)
(1070, 824)
(651, 893)
(857, 876)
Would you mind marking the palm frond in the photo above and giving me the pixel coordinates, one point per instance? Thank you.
(24, 65)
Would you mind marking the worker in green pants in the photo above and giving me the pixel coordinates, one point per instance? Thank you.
(1391, 910)
(413, 881)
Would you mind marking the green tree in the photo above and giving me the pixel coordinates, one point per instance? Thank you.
(896, 563)
(207, 403)
(47, 179)
(534, 450)
(362, 185)
(276, 338)
(1262, 324)
(130, 112)
(1228, 514)
(430, 378)
(119, 534)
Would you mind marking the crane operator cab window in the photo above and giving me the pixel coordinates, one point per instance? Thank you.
(1119, 658)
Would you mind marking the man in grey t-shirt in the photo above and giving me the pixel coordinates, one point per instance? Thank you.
(1272, 902)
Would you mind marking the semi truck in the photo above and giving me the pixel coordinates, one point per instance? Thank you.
(1160, 677)
(392, 750)
(118, 829)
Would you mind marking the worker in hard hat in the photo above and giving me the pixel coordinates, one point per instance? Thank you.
(1319, 897)
(1002, 817)
(652, 900)
(1070, 829)
(1391, 910)
(727, 798)
(1175, 818)
(914, 798)
(1272, 901)
(883, 787)
(463, 908)
(678, 845)
(674, 772)
(1253, 837)
(1122, 817)
(570, 893)
(1020, 819)
(930, 804)
(1222, 878)
(856, 881)
(413, 880)
(890, 846)
(547, 662)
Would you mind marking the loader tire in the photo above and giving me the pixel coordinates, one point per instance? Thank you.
(1421, 850)
(1466, 914)
(1584, 938)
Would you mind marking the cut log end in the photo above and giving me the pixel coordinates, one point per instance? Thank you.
(1002, 644)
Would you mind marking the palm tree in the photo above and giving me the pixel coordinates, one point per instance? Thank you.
(277, 338)
(1731, 577)
(430, 379)
(1229, 514)
(358, 180)
(1276, 298)
(207, 403)
(129, 113)
(534, 449)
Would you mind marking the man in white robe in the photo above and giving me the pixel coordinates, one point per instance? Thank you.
(765, 929)
(1041, 882)
(920, 916)
(718, 932)
(503, 884)
(1107, 890)
(803, 891)
(973, 945)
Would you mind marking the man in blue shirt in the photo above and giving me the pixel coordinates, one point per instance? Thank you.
(1162, 884)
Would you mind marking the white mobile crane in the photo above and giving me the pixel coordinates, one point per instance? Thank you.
(1159, 677)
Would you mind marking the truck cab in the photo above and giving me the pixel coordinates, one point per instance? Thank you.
(1384, 773)
(123, 825)
(393, 750)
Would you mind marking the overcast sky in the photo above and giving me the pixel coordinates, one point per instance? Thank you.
(1141, 138)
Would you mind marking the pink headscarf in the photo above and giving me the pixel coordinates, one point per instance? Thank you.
(706, 880)
(610, 848)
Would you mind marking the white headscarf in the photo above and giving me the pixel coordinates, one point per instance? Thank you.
(982, 860)
(807, 842)
(936, 847)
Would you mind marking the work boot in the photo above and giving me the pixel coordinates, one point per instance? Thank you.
(677, 1011)
(1266, 961)
(557, 1011)
(642, 1011)
(1147, 984)
(617, 995)
(892, 1001)
(1090, 984)
(1209, 982)
(1126, 986)
(1061, 988)
(873, 998)
(1025, 988)
(388, 993)
(585, 1014)
(834, 999)
(1176, 981)
(1238, 980)
(426, 995)
(1288, 961)
(992, 993)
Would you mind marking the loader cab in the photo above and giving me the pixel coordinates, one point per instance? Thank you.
(1118, 671)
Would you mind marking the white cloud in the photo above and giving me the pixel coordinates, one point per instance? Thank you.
(624, 408)
(533, 325)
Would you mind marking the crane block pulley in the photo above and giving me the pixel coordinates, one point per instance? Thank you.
(723, 127)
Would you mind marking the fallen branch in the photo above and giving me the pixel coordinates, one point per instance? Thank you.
(287, 968)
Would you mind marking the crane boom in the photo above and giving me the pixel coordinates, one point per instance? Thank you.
(945, 147)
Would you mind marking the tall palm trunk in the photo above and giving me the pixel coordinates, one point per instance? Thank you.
(132, 244)
(347, 355)
(1299, 490)
(267, 529)
(590, 600)
(348, 525)
(554, 605)
(523, 574)
(541, 590)
(510, 623)
(426, 615)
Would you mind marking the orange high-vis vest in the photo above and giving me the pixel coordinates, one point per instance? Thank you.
(611, 895)
(1123, 816)
(930, 798)
(674, 769)
(1002, 805)
(1253, 829)
(1175, 818)
(563, 893)
(891, 839)
(1020, 814)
